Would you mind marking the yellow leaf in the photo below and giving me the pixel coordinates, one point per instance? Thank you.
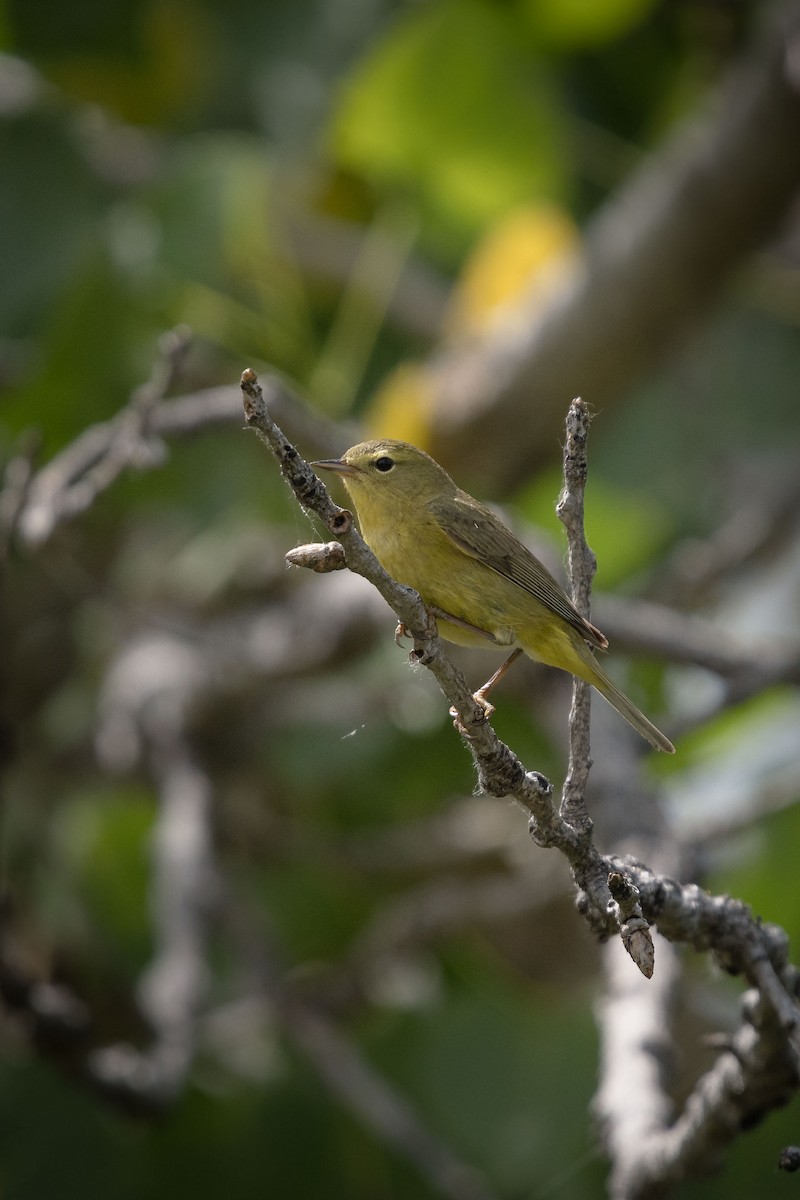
(400, 408)
(531, 250)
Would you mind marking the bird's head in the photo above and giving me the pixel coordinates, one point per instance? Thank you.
(385, 474)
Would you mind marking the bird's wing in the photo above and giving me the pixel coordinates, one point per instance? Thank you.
(479, 533)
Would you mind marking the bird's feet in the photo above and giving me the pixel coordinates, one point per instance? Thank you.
(401, 632)
(483, 712)
(483, 702)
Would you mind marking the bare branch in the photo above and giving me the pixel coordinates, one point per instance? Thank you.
(758, 1070)
(72, 481)
(581, 565)
(321, 557)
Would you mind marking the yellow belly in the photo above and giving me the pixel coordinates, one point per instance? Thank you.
(462, 586)
(452, 581)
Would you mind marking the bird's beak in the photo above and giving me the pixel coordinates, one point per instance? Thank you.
(338, 465)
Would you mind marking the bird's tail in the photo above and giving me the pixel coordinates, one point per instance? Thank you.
(568, 650)
(626, 708)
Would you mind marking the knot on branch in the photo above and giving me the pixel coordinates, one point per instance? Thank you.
(776, 943)
(250, 397)
(341, 522)
(498, 774)
(543, 835)
(318, 556)
(789, 1159)
(633, 928)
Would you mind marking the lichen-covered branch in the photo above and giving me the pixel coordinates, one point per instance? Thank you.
(581, 567)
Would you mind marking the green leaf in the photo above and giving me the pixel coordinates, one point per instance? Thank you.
(626, 529)
(101, 851)
(452, 107)
(573, 24)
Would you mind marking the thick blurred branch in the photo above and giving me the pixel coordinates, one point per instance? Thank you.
(146, 709)
(637, 1054)
(656, 257)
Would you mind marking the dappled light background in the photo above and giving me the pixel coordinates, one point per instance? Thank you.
(229, 806)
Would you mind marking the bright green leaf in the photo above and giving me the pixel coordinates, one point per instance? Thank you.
(625, 529)
(450, 106)
(571, 24)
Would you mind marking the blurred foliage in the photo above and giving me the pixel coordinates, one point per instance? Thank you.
(452, 106)
(326, 187)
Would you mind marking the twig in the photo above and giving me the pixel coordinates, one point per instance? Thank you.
(71, 483)
(634, 930)
(581, 566)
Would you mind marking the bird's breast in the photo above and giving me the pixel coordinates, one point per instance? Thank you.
(424, 558)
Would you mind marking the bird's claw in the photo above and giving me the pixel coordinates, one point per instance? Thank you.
(483, 713)
(401, 632)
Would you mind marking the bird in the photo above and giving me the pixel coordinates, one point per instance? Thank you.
(485, 588)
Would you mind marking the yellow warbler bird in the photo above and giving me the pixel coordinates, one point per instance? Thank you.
(485, 587)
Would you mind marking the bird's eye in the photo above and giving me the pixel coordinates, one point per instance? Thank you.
(384, 463)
